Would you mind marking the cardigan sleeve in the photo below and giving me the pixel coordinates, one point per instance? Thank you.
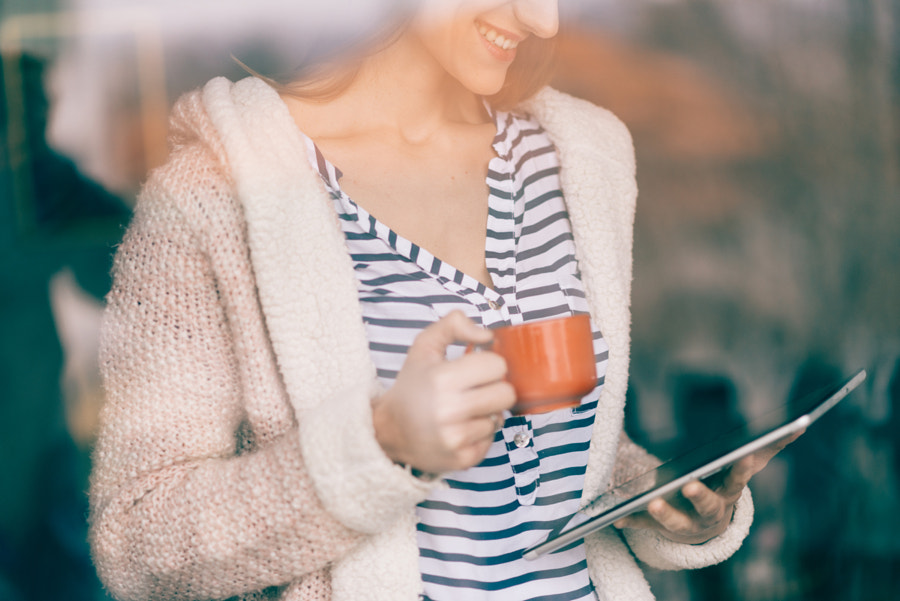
(659, 552)
(178, 510)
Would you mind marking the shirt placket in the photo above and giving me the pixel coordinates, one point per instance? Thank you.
(518, 435)
(500, 247)
(500, 258)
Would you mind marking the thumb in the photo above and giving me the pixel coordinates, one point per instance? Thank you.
(454, 327)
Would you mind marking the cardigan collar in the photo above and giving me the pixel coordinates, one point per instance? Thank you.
(305, 281)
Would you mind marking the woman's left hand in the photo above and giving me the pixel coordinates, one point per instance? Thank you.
(701, 513)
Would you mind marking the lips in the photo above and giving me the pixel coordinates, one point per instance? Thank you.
(503, 41)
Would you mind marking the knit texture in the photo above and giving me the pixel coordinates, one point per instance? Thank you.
(236, 456)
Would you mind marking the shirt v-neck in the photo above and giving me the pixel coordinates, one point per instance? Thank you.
(500, 238)
(533, 473)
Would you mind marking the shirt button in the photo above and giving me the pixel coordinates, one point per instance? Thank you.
(493, 305)
(521, 439)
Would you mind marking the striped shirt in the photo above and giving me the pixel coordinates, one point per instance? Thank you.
(471, 533)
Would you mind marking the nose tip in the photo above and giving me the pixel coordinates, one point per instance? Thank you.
(540, 17)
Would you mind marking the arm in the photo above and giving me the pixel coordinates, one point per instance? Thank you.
(176, 511)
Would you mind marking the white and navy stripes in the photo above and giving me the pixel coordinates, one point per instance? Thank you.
(471, 533)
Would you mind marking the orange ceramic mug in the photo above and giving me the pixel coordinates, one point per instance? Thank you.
(550, 363)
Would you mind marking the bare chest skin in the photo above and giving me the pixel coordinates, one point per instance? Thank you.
(433, 193)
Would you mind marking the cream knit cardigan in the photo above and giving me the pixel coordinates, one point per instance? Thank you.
(237, 455)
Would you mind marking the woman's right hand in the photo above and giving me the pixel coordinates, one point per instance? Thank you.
(442, 415)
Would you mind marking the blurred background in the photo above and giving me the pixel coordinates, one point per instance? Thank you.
(767, 249)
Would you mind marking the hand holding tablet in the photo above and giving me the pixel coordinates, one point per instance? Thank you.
(710, 478)
(703, 510)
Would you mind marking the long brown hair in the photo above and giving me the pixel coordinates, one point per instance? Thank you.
(328, 77)
(530, 71)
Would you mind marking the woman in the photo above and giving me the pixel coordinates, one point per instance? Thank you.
(290, 413)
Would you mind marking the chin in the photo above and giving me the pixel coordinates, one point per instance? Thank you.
(484, 86)
(487, 90)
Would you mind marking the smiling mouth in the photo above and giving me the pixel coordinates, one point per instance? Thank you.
(496, 38)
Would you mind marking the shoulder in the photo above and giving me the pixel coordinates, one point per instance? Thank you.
(576, 123)
(218, 134)
(222, 115)
(194, 187)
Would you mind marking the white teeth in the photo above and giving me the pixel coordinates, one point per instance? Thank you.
(495, 38)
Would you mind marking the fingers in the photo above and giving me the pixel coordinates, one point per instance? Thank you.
(483, 428)
(738, 477)
(472, 454)
(671, 518)
(482, 403)
(476, 369)
(468, 442)
(454, 327)
(490, 399)
(707, 504)
(660, 516)
(440, 415)
(706, 515)
(637, 520)
(766, 453)
(498, 421)
(743, 470)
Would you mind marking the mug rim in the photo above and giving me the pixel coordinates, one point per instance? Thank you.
(542, 322)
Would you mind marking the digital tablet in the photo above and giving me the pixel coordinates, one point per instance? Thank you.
(701, 463)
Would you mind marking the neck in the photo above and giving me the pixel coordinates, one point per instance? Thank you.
(403, 90)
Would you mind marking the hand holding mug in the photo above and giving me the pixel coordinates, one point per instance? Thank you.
(442, 415)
